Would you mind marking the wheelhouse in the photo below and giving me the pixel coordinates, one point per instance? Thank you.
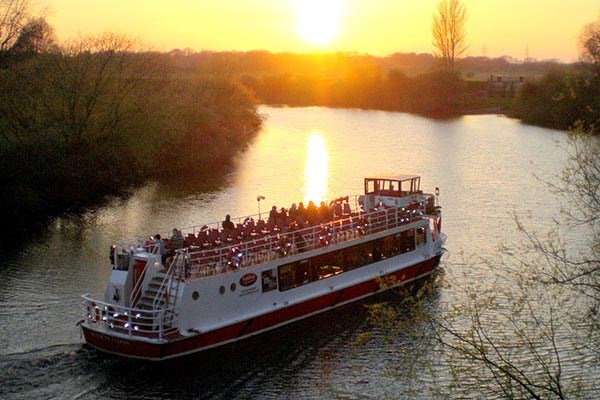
(397, 186)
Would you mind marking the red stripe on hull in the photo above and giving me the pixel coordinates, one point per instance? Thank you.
(202, 341)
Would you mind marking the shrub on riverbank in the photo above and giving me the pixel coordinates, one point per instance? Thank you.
(561, 99)
(97, 117)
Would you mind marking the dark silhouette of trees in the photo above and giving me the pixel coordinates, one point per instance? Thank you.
(448, 30)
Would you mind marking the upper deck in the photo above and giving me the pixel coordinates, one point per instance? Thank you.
(212, 249)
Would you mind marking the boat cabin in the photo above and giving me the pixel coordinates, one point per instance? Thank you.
(391, 191)
(398, 186)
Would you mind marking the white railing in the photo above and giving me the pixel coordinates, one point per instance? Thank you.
(151, 324)
(203, 262)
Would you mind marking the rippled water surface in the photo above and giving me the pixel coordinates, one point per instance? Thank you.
(484, 166)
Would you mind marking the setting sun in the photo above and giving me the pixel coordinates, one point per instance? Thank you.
(319, 20)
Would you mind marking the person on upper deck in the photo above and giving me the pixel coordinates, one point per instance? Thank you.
(282, 217)
(176, 239)
(325, 213)
(159, 248)
(301, 213)
(312, 213)
(293, 210)
(273, 215)
(227, 224)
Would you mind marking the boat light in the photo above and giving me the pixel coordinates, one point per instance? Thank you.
(138, 315)
(126, 325)
(116, 315)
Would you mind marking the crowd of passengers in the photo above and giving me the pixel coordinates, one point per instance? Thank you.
(279, 222)
(297, 217)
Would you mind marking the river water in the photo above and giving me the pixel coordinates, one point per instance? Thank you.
(484, 165)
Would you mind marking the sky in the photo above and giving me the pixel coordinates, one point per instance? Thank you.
(517, 28)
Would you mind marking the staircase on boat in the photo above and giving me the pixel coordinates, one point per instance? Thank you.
(158, 300)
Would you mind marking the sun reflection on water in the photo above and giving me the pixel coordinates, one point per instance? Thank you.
(316, 171)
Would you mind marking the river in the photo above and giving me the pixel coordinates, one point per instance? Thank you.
(484, 165)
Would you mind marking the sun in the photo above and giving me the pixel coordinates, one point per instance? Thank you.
(319, 20)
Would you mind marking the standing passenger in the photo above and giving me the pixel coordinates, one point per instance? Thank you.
(159, 248)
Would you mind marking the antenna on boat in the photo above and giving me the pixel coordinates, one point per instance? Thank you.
(258, 199)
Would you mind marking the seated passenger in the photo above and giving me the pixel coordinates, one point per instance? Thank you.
(301, 213)
(227, 224)
(312, 213)
(293, 212)
(337, 209)
(324, 212)
(176, 239)
(282, 217)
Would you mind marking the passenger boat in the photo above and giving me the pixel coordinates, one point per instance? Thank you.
(220, 285)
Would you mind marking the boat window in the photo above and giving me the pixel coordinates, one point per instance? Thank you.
(286, 277)
(421, 237)
(294, 274)
(364, 253)
(269, 280)
(371, 187)
(406, 240)
(386, 247)
(327, 265)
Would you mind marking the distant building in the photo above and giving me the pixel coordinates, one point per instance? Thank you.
(504, 86)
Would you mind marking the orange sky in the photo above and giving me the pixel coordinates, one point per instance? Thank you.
(540, 29)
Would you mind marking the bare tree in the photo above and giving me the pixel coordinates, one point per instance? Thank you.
(546, 301)
(589, 41)
(448, 29)
(13, 15)
(35, 37)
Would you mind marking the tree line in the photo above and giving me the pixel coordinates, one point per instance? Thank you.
(547, 93)
(96, 116)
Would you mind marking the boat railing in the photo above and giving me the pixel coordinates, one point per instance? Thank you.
(151, 324)
(281, 243)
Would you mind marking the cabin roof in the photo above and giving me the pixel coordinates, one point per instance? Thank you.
(400, 177)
